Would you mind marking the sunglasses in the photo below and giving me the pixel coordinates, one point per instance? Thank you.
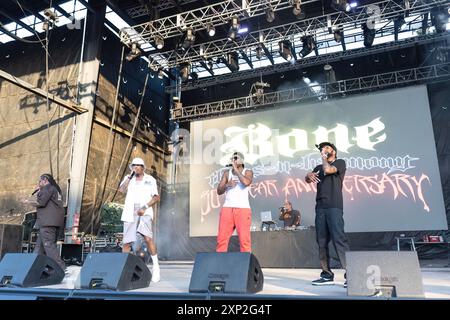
(137, 165)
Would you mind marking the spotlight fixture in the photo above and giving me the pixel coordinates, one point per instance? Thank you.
(159, 42)
(233, 61)
(160, 74)
(234, 28)
(369, 35)
(232, 35)
(329, 73)
(270, 14)
(338, 34)
(134, 52)
(308, 45)
(189, 39)
(194, 76)
(285, 49)
(398, 22)
(211, 30)
(235, 23)
(210, 63)
(342, 5)
(297, 10)
(259, 53)
(439, 19)
(185, 70)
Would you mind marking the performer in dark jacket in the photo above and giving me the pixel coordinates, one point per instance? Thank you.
(50, 217)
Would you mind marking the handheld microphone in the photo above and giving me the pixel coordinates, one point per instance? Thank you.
(34, 192)
(132, 175)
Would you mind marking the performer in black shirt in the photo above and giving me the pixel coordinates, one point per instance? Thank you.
(290, 217)
(329, 177)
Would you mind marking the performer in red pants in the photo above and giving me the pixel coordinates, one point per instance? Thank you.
(236, 212)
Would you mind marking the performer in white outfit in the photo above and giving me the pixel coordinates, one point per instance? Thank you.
(137, 214)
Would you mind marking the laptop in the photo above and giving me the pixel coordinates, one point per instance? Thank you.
(266, 216)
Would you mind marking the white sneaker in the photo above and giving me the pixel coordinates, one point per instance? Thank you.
(155, 274)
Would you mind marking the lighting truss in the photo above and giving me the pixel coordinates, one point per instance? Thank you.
(379, 81)
(310, 61)
(317, 26)
(140, 11)
(216, 14)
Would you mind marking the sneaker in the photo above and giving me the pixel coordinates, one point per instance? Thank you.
(323, 281)
(156, 274)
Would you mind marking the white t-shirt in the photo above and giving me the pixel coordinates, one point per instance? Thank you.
(139, 193)
(236, 197)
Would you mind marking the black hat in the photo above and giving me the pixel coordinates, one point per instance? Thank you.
(323, 144)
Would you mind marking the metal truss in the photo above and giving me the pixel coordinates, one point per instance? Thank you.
(199, 19)
(307, 62)
(318, 26)
(327, 90)
(140, 11)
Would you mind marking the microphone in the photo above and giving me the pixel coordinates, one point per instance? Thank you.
(34, 192)
(317, 146)
(132, 175)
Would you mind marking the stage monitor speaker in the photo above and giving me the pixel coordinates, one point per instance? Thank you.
(10, 238)
(384, 273)
(29, 270)
(226, 272)
(114, 271)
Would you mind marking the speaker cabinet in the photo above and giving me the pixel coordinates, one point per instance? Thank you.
(10, 238)
(114, 271)
(384, 273)
(227, 272)
(29, 270)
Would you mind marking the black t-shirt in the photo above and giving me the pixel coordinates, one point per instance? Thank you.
(290, 218)
(329, 189)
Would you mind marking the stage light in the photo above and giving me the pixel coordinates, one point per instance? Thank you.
(159, 42)
(308, 45)
(259, 52)
(194, 75)
(243, 30)
(134, 52)
(270, 14)
(329, 73)
(233, 61)
(439, 19)
(297, 11)
(160, 74)
(398, 22)
(234, 28)
(340, 5)
(210, 64)
(338, 35)
(369, 35)
(189, 39)
(232, 34)
(211, 30)
(235, 23)
(285, 49)
(185, 70)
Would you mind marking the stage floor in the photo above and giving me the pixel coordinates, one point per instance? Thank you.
(296, 283)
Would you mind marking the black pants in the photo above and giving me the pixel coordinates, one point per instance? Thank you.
(330, 227)
(46, 244)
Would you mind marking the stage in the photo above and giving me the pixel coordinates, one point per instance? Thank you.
(279, 283)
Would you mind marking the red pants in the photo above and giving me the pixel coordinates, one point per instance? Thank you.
(231, 218)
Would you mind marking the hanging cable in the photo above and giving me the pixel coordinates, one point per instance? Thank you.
(109, 149)
(131, 136)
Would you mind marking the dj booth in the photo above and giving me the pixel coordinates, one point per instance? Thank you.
(286, 248)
